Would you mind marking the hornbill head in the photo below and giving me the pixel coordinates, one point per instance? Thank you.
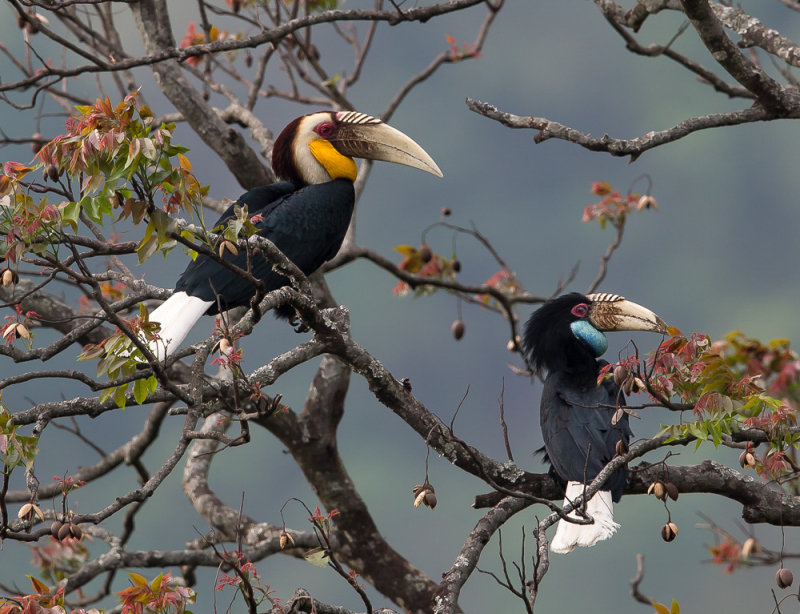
(319, 147)
(566, 333)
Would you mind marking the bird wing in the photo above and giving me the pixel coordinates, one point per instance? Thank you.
(579, 436)
(308, 225)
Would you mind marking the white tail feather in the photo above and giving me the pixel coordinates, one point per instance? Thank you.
(177, 315)
(570, 535)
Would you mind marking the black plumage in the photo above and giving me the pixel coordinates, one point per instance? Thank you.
(307, 224)
(306, 215)
(563, 341)
(575, 413)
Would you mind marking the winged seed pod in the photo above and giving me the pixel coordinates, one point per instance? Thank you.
(749, 547)
(669, 531)
(229, 246)
(425, 253)
(424, 494)
(29, 511)
(747, 459)
(286, 539)
(672, 490)
(9, 277)
(784, 578)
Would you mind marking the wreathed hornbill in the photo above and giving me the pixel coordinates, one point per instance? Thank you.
(306, 215)
(564, 338)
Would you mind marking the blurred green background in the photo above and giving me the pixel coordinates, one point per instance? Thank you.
(719, 254)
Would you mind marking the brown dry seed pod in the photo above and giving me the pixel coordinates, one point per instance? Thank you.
(228, 246)
(784, 578)
(52, 172)
(56, 527)
(457, 329)
(10, 278)
(628, 387)
(660, 491)
(285, 540)
(672, 490)
(622, 447)
(750, 546)
(75, 531)
(669, 531)
(646, 202)
(37, 142)
(620, 375)
(456, 266)
(743, 459)
(63, 532)
(425, 253)
(430, 499)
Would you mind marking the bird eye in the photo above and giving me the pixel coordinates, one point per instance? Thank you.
(580, 310)
(325, 130)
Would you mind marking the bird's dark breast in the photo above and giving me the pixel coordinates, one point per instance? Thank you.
(577, 428)
(307, 224)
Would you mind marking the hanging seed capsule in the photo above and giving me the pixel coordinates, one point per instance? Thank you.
(784, 578)
(749, 547)
(669, 531)
(63, 532)
(37, 142)
(672, 490)
(660, 491)
(285, 540)
(229, 246)
(628, 386)
(457, 329)
(620, 375)
(9, 278)
(647, 202)
(52, 172)
(425, 253)
(56, 527)
(456, 266)
(622, 447)
(743, 459)
(430, 499)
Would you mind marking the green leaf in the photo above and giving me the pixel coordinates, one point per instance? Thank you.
(119, 395)
(106, 393)
(70, 213)
(140, 390)
(319, 558)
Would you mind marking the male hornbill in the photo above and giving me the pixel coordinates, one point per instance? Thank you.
(564, 338)
(305, 215)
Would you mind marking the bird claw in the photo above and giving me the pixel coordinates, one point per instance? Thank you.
(299, 327)
(272, 406)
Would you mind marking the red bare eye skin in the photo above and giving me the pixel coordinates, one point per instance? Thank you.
(580, 310)
(325, 130)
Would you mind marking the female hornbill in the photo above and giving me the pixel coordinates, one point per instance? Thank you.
(305, 215)
(564, 338)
